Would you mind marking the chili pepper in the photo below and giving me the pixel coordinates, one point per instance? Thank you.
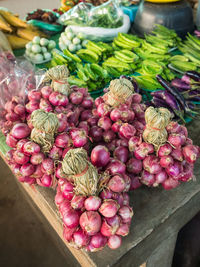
(98, 70)
(70, 55)
(88, 71)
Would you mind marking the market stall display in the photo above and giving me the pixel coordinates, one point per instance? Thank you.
(93, 152)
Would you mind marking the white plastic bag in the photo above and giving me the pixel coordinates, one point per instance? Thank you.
(102, 34)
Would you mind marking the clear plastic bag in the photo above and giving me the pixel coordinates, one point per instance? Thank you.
(107, 15)
(17, 77)
(102, 34)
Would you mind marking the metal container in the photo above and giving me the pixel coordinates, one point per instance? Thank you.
(177, 16)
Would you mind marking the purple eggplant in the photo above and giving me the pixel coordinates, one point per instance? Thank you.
(157, 102)
(170, 100)
(197, 33)
(192, 95)
(193, 106)
(171, 90)
(180, 84)
(167, 97)
(186, 79)
(174, 91)
(194, 75)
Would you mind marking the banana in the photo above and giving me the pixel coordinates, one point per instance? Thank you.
(4, 25)
(4, 44)
(12, 19)
(28, 34)
(16, 42)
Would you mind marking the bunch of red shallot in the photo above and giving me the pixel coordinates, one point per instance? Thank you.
(169, 163)
(91, 222)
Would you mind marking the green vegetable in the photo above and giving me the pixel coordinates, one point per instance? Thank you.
(98, 70)
(92, 86)
(112, 71)
(44, 42)
(72, 47)
(51, 44)
(47, 56)
(88, 55)
(122, 44)
(76, 41)
(154, 49)
(88, 71)
(75, 81)
(126, 56)
(147, 82)
(36, 48)
(184, 66)
(178, 58)
(115, 63)
(151, 68)
(36, 40)
(71, 56)
(38, 58)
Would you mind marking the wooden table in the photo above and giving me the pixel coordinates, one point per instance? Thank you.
(159, 215)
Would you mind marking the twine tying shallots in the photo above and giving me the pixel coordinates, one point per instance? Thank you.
(45, 126)
(58, 76)
(156, 121)
(81, 172)
(119, 92)
(44, 121)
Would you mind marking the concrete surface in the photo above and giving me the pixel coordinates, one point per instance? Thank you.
(23, 239)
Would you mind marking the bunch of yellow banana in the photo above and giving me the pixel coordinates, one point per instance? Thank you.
(18, 32)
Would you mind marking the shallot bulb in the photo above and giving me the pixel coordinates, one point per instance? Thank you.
(90, 222)
(100, 156)
(109, 208)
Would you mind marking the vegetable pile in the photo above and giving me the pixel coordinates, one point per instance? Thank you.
(181, 96)
(92, 220)
(94, 152)
(39, 50)
(190, 59)
(125, 55)
(72, 42)
(47, 112)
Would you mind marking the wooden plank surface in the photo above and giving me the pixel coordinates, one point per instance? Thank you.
(155, 216)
